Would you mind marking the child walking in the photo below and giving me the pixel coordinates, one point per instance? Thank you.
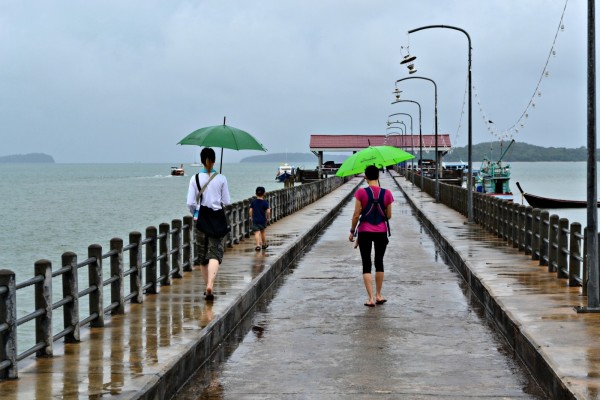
(260, 213)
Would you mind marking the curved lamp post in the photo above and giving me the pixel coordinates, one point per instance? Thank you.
(412, 143)
(397, 93)
(437, 161)
(403, 133)
(470, 144)
(395, 127)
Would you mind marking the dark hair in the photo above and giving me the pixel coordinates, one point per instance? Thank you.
(372, 172)
(260, 191)
(207, 154)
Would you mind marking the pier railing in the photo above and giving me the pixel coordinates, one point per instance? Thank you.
(126, 273)
(548, 239)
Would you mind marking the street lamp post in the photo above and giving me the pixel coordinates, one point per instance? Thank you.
(437, 161)
(397, 93)
(470, 144)
(412, 145)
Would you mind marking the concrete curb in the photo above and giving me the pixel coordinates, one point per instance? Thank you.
(173, 376)
(525, 349)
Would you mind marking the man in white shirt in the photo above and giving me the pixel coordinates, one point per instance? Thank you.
(209, 250)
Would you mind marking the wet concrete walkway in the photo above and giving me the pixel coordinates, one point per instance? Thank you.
(312, 337)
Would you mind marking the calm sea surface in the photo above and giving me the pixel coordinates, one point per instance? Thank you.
(47, 210)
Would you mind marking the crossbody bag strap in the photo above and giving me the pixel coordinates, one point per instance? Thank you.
(383, 209)
(201, 190)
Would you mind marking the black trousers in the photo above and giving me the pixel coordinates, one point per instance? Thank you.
(368, 240)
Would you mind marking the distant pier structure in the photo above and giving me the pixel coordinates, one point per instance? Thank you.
(320, 144)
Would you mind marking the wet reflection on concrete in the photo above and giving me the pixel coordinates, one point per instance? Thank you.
(311, 337)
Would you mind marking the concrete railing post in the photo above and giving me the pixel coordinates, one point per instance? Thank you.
(189, 245)
(164, 254)
(8, 319)
(575, 254)
(562, 244)
(70, 287)
(43, 301)
(135, 263)
(514, 228)
(535, 234)
(246, 214)
(117, 287)
(150, 263)
(522, 226)
(96, 296)
(177, 250)
(544, 239)
(553, 243)
(528, 230)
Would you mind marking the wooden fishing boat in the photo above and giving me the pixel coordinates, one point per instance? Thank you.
(547, 202)
(493, 178)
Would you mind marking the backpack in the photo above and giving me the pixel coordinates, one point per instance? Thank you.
(374, 212)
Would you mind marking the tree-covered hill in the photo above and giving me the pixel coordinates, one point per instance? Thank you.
(517, 152)
(491, 150)
(27, 158)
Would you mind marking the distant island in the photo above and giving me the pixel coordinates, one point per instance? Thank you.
(517, 152)
(38, 158)
(491, 150)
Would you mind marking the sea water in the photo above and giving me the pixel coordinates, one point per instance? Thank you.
(48, 209)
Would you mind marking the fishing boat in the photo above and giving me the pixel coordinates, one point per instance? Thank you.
(547, 202)
(494, 177)
(284, 172)
(177, 171)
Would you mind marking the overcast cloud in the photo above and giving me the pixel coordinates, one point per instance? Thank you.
(124, 81)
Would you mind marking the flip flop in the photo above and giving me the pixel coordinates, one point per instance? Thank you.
(380, 301)
(369, 305)
(265, 246)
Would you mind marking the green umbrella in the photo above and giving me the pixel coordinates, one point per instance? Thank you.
(380, 156)
(223, 136)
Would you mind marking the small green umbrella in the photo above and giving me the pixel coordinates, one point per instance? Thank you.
(223, 136)
(380, 156)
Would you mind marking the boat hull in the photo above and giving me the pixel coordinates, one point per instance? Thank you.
(547, 202)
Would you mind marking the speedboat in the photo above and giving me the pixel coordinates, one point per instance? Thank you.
(177, 171)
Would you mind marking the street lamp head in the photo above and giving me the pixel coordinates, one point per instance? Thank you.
(397, 93)
(409, 61)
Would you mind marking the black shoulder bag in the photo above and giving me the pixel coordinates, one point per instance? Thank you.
(212, 223)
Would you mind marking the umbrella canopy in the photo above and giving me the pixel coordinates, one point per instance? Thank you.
(380, 156)
(223, 136)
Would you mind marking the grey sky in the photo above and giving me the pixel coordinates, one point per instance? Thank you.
(124, 81)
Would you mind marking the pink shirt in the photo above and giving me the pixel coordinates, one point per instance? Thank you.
(362, 196)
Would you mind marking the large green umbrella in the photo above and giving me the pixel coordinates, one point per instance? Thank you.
(380, 156)
(223, 136)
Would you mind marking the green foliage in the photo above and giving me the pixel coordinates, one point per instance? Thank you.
(517, 152)
(27, 158)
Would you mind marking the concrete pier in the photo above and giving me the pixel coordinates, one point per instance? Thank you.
(429, 340)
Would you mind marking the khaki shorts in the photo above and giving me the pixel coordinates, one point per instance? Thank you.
(207, 248)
